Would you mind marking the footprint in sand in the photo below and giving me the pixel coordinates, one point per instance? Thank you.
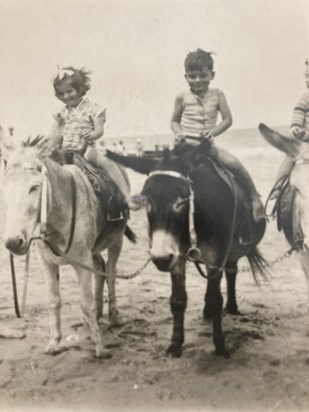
(8, 333)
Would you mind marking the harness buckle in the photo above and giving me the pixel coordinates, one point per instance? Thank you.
(113, 206)
(114, 219)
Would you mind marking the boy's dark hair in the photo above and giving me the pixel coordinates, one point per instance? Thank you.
(79, 79)
(198, 59)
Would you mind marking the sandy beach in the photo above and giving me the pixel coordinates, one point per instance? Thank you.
(269, 365)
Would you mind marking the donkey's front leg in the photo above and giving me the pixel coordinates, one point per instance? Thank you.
(304, 260)
(111, 270)
(231, 273)
(99, 280)
(54, 307)
(214, 304)
(178, 302)
(89, 310)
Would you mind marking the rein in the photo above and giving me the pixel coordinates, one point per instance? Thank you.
(43, 212)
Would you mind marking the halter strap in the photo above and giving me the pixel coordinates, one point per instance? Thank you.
(171, 173)
(43, 215)
(177, 175)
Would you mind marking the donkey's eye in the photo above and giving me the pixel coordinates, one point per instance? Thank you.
(179, 204)
(34, 189)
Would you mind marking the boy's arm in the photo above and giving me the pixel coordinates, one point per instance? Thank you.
(176, 117)
(226, 116)
(298, 116)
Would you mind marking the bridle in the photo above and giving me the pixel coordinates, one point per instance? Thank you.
(193, 254)
(44, 235)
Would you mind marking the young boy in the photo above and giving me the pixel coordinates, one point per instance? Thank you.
(300, 130)
(195, 115)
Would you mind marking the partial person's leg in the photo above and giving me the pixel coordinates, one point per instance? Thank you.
(242, 176)
(97, 159)
(285, 169)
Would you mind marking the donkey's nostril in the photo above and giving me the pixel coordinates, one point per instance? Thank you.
(15, 244)
(163, 263)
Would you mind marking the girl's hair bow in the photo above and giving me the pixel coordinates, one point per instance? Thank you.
(62, 71)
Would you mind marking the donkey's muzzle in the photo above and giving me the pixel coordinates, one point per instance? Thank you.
(16, 244)
(164, 264)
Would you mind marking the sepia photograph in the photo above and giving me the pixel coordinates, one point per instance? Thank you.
(154, 205)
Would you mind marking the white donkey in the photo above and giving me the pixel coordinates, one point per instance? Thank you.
(296, 228)
(58, 206)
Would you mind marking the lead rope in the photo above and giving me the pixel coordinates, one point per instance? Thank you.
(15, 295)
(43, 217)
(26, 281)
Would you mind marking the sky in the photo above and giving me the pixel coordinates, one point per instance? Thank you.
(136, 50)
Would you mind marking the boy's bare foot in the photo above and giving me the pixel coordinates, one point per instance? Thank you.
(258, 209)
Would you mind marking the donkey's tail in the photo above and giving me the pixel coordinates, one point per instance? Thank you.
(259, 266)
(130, 234)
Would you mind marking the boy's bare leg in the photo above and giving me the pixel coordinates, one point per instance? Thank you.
(244, 179)
(284, 170)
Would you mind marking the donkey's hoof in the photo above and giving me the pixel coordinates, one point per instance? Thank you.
(103, 353)
(232, 311)
(174, 350)
(53, 348)
(206, 314)
(223, 352)
(115, 322)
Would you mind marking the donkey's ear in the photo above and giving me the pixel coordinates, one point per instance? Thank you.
(7, 144)
(286, 144)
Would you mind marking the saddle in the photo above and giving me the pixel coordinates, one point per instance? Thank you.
(108, 194)
(243, 233)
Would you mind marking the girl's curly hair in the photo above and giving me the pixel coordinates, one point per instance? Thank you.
(79, 79)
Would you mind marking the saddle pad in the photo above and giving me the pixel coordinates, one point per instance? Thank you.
(231, 182)
(243, 230)
(285, 211)
(108, 194)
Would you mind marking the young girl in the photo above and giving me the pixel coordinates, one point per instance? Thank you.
(195, 115)
(81, 123)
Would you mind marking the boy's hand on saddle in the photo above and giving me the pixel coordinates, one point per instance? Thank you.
(179, 138)
(207, 136)
(303, 136)
(300, 134)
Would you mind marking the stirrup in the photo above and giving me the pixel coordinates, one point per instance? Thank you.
(114, 219)
(109, 214)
